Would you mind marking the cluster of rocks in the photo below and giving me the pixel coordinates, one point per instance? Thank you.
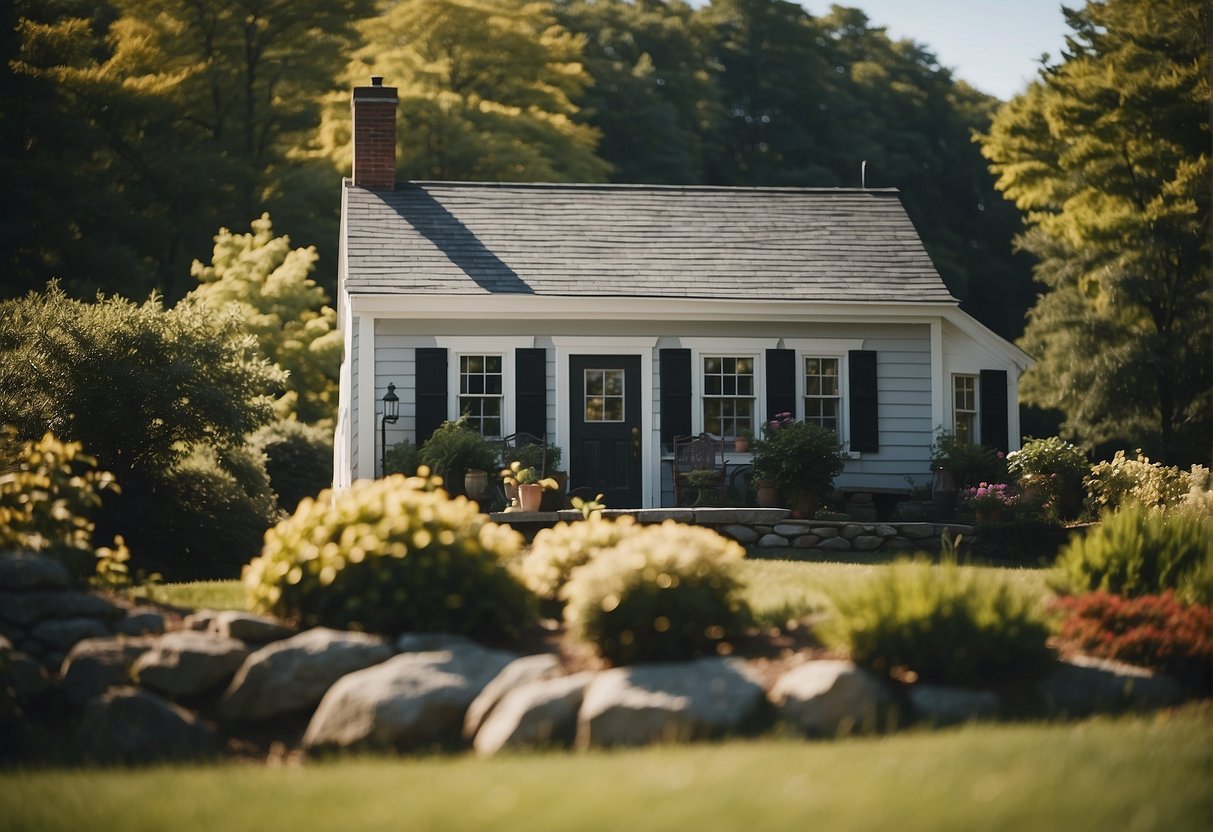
(225, 675)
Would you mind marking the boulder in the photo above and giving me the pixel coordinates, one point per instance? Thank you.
(141, 621)
(852, 530)
(23, 675)
(188, 663)
(429, 642)
(95, 664)
(824, 531)
(773, 541)
(293, 674)
(885, 530)
(805, 541)
(674, 702)
(1084, 685)
(136, 726)
(59, 634)
(742, 534)
(27, 570)
(412, 701)
(835, 544)
(831, 697)
(29, 607)
(791, 528)
(515, 674)
(536, 714)
(867, 542)
(202, 620)
(940, 705)
(245, 626)
(917, 531)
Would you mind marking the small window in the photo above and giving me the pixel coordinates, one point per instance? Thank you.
(604, 396)
(964, 409)
(480, 392)
(728, 395)
(821, 392)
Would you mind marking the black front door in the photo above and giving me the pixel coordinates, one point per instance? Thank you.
(604, 427)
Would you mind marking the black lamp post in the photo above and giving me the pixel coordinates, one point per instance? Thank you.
(391, 412)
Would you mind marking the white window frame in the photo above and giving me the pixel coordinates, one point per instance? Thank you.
(753, 348)
(836, 348)
(975, 439)
(503, 346)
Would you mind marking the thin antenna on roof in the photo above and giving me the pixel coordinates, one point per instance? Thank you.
(863, 174)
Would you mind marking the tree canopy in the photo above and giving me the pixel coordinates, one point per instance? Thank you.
(1107, 153)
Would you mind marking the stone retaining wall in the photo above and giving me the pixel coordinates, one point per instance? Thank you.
(768, 528)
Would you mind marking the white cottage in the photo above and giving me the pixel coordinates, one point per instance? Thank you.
(612, 318)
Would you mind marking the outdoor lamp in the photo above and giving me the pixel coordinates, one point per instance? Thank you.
(391, 412)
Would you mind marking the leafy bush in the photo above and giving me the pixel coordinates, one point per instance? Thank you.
(455, 448)
(1124, 482)
(941, 624)
(557, 551)
(1154, 631)
(141, 389)
(390, 556)
(1136, 551)
(48, 490)
(664, 593)
(797, 457)
(402, 458)
(531, 455)
(969, 465)
(1056, 469)
(298, 459)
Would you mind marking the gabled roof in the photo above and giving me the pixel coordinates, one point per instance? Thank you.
(810, 244)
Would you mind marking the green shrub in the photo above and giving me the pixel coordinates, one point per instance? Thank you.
(298, 459)
(1136, 551)
(402, 458)
(799, 458)
(970, 465)
(664, 593)
(941, 624)
(1154, 631)
(1056, 469)
(531, 455)
(455, 448)
(390, 556)
(557, 551)
(1123, 482)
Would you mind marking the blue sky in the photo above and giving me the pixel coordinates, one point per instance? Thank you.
(992, 44)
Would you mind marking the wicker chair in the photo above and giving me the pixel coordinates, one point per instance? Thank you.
(699, 453)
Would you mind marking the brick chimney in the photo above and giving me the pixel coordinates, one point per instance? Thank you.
(375, 136)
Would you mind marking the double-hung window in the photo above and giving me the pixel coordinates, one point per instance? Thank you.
(728, 394)
(964, 409)
(481, 392)
(822, 392)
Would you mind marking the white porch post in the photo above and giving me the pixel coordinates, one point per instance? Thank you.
(365, 467)
(939, 390)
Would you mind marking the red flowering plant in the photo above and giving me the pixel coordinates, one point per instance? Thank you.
(989, 496)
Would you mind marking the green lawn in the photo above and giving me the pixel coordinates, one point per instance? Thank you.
(1132, 773)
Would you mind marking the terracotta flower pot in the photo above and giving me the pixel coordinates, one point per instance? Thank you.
(530, 496)
(741, 445)
(767, 495)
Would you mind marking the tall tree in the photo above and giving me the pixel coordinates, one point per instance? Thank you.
(1108, 154)
(486, 92)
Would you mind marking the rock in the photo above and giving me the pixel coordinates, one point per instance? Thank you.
(791, 528)
(742, 534)
(867, 542)
(28, 570)
(831, 697)
(1084, 685)
(59, 634)
(29, 607)
(900, 543)
(245, 626)
(824, 531)
(23, 675)
(188, 663)
(141, 621)
(516, 673)
(917, 531)
(805, 541)
(202, 620)
(412, 701)
(668, 702)
(835, 544)
(294, 674)
(428, 642)
(773, 541)
(536, 714)
(941, 705)
(135, 726)
(95, 664)
(660, 515)
(741, 516)
(851, 531)
(885, 530)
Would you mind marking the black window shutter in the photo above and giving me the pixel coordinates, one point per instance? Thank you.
(431, 390)
(864, 418)
(675, 394)
(994, 409)
(531, 391)
(781, 382)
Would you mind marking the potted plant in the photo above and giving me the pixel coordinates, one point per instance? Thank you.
(530, 486)
(456, 448)
(741, 444)
(801, 459)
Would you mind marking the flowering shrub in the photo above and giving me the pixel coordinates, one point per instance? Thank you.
(558, 550)
(990, 496)
(1154, 631)
(1055, 469)
(1122, 481)
(797, 457)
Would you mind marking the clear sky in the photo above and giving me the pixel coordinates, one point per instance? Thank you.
(992, 44)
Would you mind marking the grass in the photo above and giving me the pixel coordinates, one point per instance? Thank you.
(1129, 773)
(211, 595)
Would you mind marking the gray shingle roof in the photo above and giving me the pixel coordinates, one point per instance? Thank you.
(821, 244)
